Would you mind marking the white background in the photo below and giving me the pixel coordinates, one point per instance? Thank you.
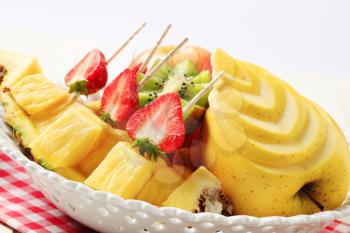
(305, 42)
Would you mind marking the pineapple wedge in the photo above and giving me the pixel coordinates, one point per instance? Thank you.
(109, 139)
(164, 181)
(17, 66)
(70, 174)
(201, 192)
(35, 94)
(68, 140)
(123, 172)
(17, 118)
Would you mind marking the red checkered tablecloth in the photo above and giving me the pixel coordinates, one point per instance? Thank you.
(24, 208)
(337, 226)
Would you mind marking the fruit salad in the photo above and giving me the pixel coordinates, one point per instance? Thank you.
(180, 127)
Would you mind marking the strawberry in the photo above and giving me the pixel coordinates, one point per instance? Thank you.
(161, 123)
(89, 75)
(120, 98)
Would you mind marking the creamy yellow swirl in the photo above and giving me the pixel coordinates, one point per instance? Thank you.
(275, 152)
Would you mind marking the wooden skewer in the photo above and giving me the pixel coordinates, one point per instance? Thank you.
(160, 64)
(195, 99)
(125, 43)
(144, 65)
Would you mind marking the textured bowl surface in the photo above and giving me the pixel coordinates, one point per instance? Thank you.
(106, 212)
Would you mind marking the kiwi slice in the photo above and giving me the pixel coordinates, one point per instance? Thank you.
(158, 80)
(202, 77)
(185, 87)
(190, 92)
(185, 68)
(146, 97)
(184, 80)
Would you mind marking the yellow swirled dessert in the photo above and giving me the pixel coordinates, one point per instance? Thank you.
(275, 152)
(266, 150)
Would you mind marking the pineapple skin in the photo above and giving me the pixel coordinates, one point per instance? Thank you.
(18, 119)
(188, 194)
(123, 172)
(35, 94)
(35, 106)
(17, 66)
(50, 103)
(67, 141)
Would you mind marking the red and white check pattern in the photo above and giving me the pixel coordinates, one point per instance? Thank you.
(337, 226)
(24, 208)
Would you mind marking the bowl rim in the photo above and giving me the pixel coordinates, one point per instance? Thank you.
(8, 146)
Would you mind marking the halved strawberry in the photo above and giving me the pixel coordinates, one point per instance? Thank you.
(161, 122)
(120, 98)
(89, 75)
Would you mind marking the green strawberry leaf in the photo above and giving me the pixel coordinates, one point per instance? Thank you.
(79, 87)
(147, 148)
(106, 117)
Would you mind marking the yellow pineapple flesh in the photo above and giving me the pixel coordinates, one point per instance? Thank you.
(35, 94)
(94, 106)
(70, 174)
(43, 120)
(68, 140)
(61, 133)
(17, 66)
(17, 118)
(164, 181)
(201, 192)
(123, 172)
(110, 137)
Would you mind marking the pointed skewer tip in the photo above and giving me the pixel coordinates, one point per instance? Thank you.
(126, 43)
(154, 49)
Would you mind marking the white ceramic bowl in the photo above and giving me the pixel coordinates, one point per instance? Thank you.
(106, 212)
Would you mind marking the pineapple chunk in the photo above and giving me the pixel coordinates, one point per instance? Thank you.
(123, 172)
(17, 65)
(201, 192)
(164, 181)
(35, 94)
(68, 140)
(70, 174)
(43, 120)
(109, 138)
(14, 116)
